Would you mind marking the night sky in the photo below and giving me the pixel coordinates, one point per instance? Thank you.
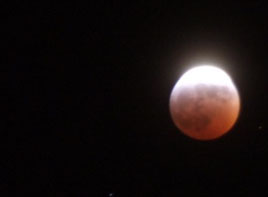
(90, 86)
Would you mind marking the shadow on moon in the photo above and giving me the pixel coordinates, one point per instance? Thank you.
(196, 106)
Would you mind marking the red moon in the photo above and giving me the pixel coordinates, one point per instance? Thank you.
(204, 103)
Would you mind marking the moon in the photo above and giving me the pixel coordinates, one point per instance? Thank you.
(204, 103)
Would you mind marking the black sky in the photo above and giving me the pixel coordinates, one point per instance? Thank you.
(90, 86)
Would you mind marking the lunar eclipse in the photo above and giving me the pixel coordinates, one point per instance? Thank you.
(204, 103)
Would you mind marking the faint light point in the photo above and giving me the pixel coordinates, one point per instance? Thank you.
(260, 127)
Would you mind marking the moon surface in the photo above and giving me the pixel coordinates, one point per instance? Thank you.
(204, 103)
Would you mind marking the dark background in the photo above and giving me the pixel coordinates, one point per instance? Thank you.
(90, 86)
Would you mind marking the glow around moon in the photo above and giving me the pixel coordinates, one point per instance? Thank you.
(204, 103)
